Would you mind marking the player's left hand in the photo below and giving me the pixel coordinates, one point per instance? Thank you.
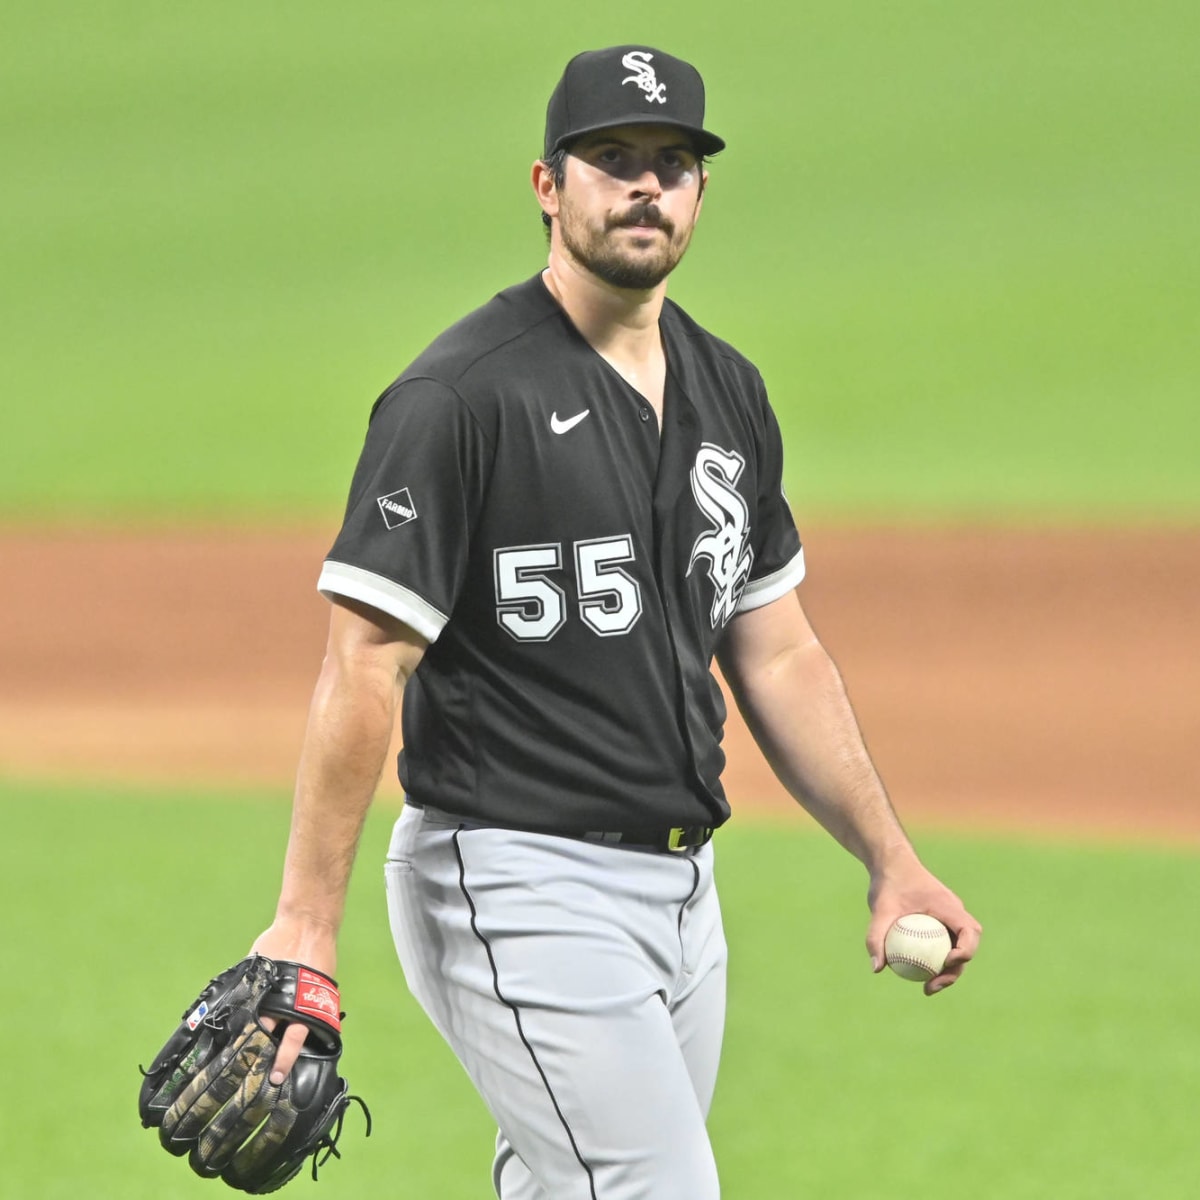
(292, 941)
(207, 1090)
(906, 886)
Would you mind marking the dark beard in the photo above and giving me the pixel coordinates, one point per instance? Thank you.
(600, 256)
(620, 272)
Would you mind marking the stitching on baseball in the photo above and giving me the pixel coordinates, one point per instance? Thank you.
(912, 962)
(918, 933)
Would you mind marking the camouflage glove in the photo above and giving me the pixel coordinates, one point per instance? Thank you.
(208, 1092)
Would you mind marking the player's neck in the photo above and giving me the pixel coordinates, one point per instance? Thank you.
(614, 321)
(621, 326)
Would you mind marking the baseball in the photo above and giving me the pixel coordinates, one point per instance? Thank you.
(916, 947)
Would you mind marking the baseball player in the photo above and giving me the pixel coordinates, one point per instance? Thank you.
(564, 509)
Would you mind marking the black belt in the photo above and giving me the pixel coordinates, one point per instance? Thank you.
(676, 840)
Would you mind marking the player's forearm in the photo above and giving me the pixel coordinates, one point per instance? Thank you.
(345, 748)
(798, 710)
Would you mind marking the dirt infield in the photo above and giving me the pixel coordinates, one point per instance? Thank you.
(1013, 681)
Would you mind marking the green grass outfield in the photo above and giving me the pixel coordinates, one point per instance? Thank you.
(1065, 1065)
(959, 239)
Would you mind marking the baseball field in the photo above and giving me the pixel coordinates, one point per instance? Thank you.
(959, 240)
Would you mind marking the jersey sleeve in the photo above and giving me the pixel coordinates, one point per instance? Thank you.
(778, 553)
(414, 500)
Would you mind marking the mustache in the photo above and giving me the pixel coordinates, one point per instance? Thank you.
(646, 213)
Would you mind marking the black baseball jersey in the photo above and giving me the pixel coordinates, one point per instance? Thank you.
(515, 504)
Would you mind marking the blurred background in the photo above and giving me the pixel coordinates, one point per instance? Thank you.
(960, 242)
(959, 239)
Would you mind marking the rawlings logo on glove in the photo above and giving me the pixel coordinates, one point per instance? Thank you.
(208, 1092)
(317, 997)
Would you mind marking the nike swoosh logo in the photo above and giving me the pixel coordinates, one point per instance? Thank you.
(569, 424)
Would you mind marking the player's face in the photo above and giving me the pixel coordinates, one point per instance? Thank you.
(629, 202)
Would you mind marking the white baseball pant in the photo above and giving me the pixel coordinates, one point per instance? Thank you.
(582, 986)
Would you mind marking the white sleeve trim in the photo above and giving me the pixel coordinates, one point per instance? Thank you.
(341, 579)
(770, 587)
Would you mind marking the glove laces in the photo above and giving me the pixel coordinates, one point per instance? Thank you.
(327, 1147)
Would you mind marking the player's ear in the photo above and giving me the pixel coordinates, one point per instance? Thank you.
(544, 187)
(703, 189)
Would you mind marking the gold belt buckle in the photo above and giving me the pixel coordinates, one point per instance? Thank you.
(675, 837)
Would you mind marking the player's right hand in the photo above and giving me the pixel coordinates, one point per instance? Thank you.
(293, 944)
(907, 886)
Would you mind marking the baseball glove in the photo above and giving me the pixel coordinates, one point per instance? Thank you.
(208, 1093)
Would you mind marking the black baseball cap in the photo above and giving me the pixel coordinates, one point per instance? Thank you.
(627, 85)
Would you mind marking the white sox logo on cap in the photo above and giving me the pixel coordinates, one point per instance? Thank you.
(594, 94)
(638, 61)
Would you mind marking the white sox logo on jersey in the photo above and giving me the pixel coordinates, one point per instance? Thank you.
(726, 545)
(638, 61)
